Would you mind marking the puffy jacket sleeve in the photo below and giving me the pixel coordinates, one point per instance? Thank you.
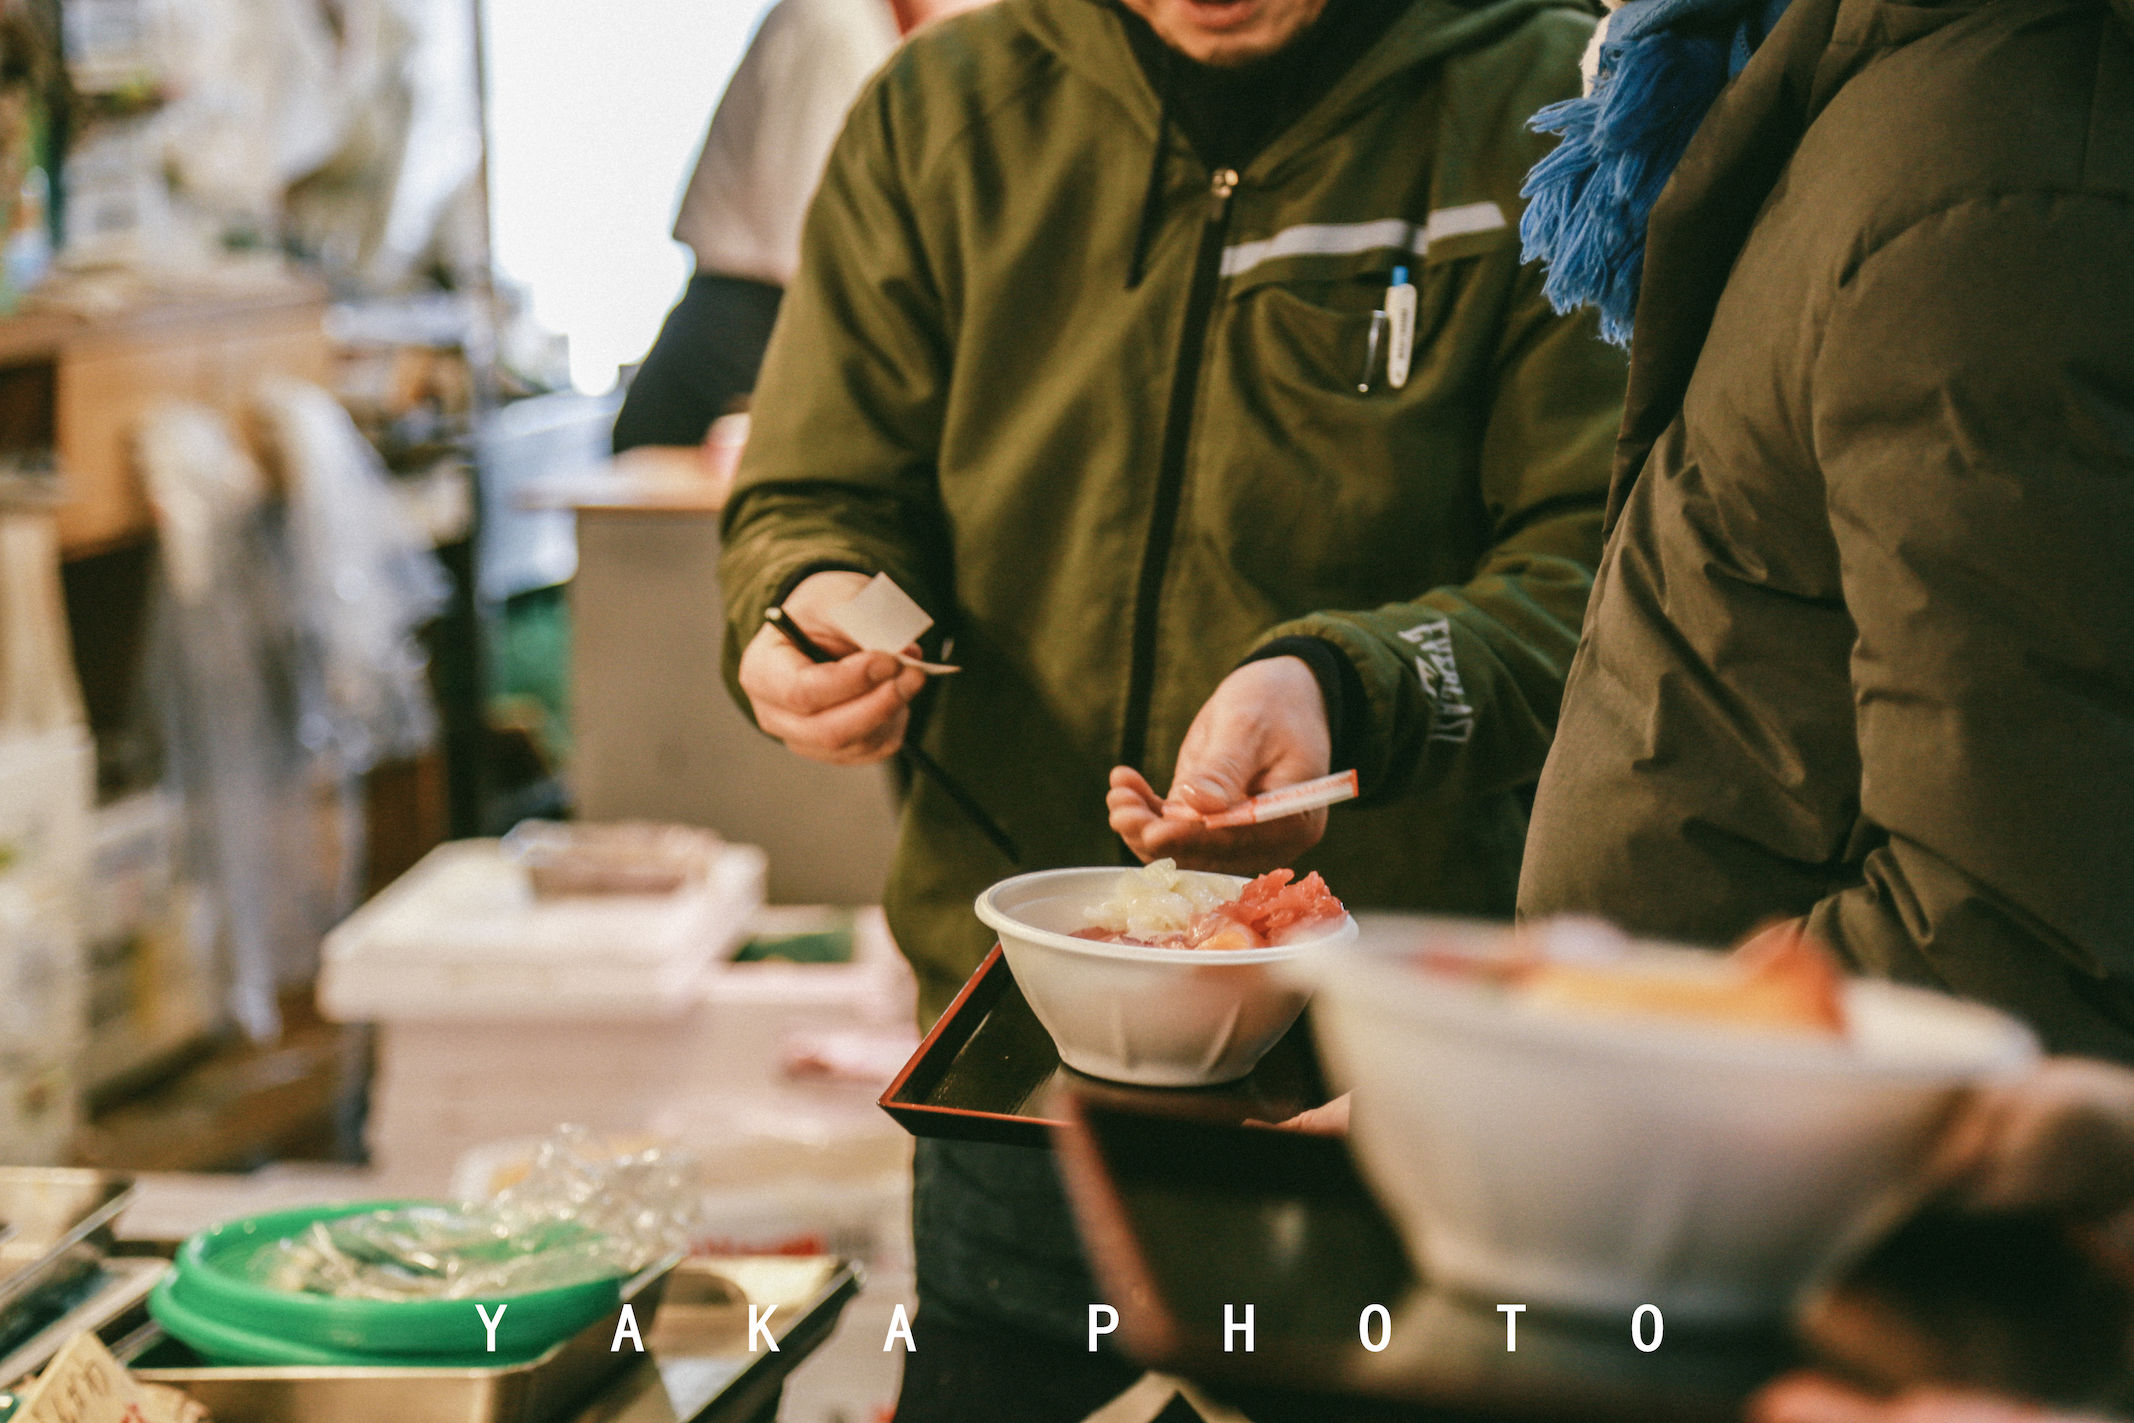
(1462, 685)
(839, 470)
(1973, 414)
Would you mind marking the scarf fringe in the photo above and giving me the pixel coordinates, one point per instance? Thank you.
(1589, 199)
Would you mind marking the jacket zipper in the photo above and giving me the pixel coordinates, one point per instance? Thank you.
(1171, 470)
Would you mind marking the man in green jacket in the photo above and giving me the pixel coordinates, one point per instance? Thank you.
(1862, 648)
(1082, 354)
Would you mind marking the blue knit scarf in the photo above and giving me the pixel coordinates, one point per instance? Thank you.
(1662, 63)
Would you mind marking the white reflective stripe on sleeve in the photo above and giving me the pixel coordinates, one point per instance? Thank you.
(1341, 239)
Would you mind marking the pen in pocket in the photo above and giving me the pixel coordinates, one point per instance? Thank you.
(1370, 351)
(1400, 316)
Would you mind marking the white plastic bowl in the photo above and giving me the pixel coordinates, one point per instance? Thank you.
(1152, 1017)
(1600, 1163)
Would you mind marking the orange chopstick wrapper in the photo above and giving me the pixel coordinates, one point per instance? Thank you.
(1289, 800)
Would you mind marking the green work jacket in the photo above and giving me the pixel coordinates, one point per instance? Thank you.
(1108, 494)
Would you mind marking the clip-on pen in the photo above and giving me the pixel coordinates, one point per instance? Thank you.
(1392, 325)
(918, 760)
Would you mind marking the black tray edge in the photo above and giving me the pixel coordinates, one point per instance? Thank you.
(903, 1097)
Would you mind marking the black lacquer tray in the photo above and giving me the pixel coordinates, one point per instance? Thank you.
(989, 1072)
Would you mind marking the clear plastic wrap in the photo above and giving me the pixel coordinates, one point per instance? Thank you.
(437, 1252)
(365, 580)
(577, 1215)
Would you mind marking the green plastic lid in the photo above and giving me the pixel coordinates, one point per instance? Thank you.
(211, 1301)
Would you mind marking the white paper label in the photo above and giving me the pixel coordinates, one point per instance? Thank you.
(883, 618)
(84, 1384)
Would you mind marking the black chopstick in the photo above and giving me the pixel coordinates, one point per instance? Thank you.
(918, 760)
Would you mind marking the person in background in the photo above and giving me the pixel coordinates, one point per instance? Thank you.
(741, 214)
(1082, 355)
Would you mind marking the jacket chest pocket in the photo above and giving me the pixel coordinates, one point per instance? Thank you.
(1317, 341)
(1317, 463)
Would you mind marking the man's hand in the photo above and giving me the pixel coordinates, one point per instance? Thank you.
(1264, 727)
(849, 712)
(1807, 1398)
(2060, 1139)
(1330, 1119)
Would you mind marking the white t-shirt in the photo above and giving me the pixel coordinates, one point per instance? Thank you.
(772, 134)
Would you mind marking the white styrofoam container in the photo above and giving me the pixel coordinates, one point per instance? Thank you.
(442, 1085)
(461, 936)
(727, 1044)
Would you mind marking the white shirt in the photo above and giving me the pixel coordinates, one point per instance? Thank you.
(772, 134)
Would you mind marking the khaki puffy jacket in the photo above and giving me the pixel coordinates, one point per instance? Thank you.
(1862, 647)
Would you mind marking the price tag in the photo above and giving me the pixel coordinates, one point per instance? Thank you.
(84, 1384)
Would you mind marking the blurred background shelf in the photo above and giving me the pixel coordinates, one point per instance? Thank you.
(74, 385)
(229, 1104)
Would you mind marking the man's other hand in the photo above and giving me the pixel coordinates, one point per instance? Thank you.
(849, 712)
(1265, 727)
(1807, 1398)
(2060, 1139)
(1327, 1119)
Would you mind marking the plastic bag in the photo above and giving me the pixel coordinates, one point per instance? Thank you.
(365, 580)
(401, 190)
(227, 666)
(576, 1216)
(288, 661)
(437, 1252)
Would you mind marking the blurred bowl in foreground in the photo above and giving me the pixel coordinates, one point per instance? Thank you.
(1603, 1161)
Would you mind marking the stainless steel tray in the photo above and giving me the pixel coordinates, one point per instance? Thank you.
(692, 1316)
(62, 1223)
(111, 1303)
(701, 1370)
